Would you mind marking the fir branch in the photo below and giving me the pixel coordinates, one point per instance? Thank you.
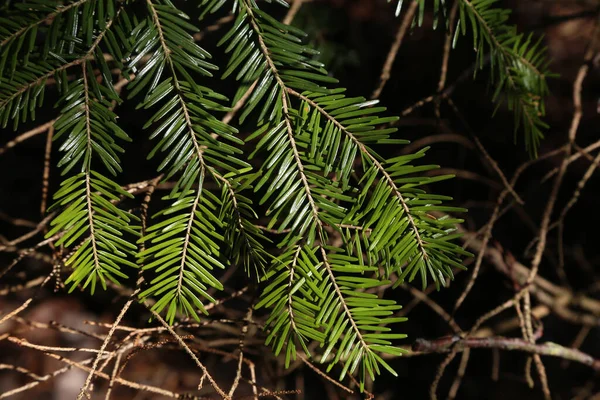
(33, 80)
(6, 36)
(89, 220)
(375, 162)
(244, 238)
(167, 52)
(88, 190)
(339, 310)
(307, 188)
(186, 121)
(519, 68)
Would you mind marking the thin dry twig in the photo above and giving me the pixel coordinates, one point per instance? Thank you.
(124, 382)
(109, 336)
(291, 14)
(238, 374)
(529, 336)
(53, 325)
(541, 244)
(24, 343)
(27, 135)
(113, 376)
(464, 361)
(485, 153)
(389, 62)
(23, 306)
(40, 227)
(38, 379)
(580, 153)
(214, 27)
(192, 355)
(577, 342)
(525, 334)
(46, 174)
(440, 372)
(561, 219)
(577, 114)
(446, 55)
(557, 298)
(434, 306)
(322, 374)
(17, 221)
(24, 286)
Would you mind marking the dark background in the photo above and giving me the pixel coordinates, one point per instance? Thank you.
(355, 36)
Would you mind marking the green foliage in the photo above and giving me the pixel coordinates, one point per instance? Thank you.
(90, 220)
(91, 129)
(312, 138)
(317, 176)
(69, 35)
(184, 249)
(519, 66)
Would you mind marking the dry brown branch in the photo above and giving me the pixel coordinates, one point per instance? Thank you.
(238, 374)
(577, 342)
(446, 55)
(46, 173)
(27, 135)
(29, 234)
(585, 152)
(113, 376)
(581, 153)
(495, 311)
(191, 353)
(557, 298)
(389, 62)
(445, 94)
(214, 27)
(528, 377)
(526, 323)
(466, 175)
(489, 226)
(561, 219)
(133, 385)
(289, 17)
(440, 138)
(17, 221)
(406, 309)
(27, 285)
(25, 343)
(440, 372)
(22, 370)
(55, 326)
(38, 379)
(485, 153)
(464, 361)
(23, 306)
(104, 345)
(322, 374)
(444, 345)
(577, 87)
(421, 296)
